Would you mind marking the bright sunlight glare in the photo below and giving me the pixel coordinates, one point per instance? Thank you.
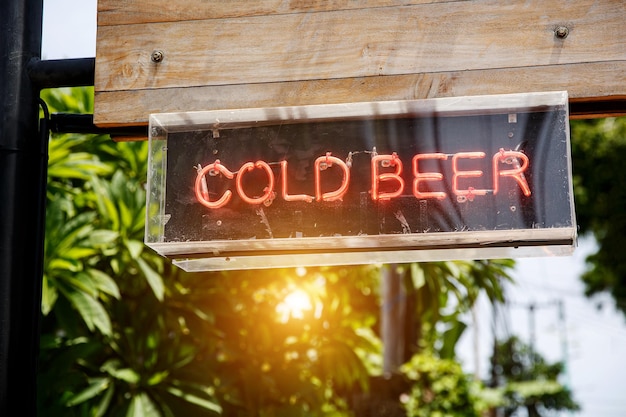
(294, 305)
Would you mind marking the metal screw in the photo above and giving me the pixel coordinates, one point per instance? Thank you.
(561, 32)
(157, 56)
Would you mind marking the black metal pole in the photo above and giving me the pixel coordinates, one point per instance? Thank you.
(62, 72)
(23, 165)
(83, 123)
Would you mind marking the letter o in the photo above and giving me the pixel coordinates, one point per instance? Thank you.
(249, 166)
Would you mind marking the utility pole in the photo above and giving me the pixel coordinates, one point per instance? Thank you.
(532, 307)
(393, 312)
(531, 330)
(23, 171)
(564, 347)
(494, 382)
(476, 342)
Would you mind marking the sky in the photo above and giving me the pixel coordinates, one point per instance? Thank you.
(595, 333)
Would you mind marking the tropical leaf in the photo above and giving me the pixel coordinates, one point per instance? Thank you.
(142, 406)
(82, 282)
(104, 282)
(134, 247)
(76, 165)
(91, 311)
(153, 278)
(103, 237)
(105, 401)
(126, 374)
(96, 387)
(195, 399)
(49, 295)
(450, 338)
(68, 265)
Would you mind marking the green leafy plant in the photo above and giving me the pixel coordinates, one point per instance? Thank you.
(127, 334)
(524, 379)
(102, 291)
(439, 388)
(599, 163)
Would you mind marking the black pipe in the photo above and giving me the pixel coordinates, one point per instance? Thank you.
(83, 123)
(23, 167)
(62, 72)
(597, 108)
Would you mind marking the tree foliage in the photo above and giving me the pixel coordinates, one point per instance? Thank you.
(127, 334)
(439, 388)
(599, 164)
(105, 348)
(440, 293)
(526, 380)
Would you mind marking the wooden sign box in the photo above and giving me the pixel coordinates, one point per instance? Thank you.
(156, 56)
(379, 182)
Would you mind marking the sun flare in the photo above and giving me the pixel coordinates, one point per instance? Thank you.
(294, 305)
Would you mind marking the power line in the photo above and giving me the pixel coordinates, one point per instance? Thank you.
(562, 292)
(532, 307)
(598, 325)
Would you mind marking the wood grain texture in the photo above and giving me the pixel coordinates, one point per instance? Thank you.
(354, 43)
(600, 81)
(273, 53)
(124, 12)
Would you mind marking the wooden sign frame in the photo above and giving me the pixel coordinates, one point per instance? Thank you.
(157, 56)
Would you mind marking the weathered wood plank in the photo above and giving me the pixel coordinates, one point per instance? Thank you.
(358, 43)
(266, 53)
(124, 12)
(584, 82)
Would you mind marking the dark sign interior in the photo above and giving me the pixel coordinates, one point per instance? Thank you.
(404, 175)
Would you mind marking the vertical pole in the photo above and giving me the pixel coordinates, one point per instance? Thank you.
(564, 349)
(476, 341)
(531, 331)
(392, 319)
(23, 165)
(494, 383)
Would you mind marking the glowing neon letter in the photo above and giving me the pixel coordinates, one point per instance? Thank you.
(322, 163)
(427, 176)
(249, 166)
(201, 188)
(470, 192)
(287, 197)
(386, 161)
(510, 157)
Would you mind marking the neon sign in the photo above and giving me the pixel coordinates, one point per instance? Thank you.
(325, 162)
(360, 182)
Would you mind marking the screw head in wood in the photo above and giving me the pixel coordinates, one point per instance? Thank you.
(156, 56)
(561, 32)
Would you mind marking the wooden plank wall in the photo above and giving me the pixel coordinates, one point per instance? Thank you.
(242, 53)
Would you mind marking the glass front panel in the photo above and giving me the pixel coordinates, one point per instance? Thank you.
(441, 177)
